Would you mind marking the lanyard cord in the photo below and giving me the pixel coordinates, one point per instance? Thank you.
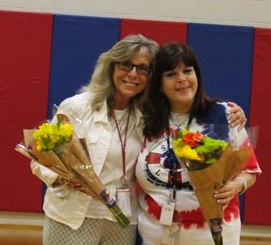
(123, 143)
(173, 168)
(172, 163)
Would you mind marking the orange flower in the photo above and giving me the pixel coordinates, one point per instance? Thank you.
(193, 139)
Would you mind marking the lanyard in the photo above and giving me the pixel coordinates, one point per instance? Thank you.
(172, 161)
(123, 146)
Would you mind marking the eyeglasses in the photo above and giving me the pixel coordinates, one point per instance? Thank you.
(140, 69)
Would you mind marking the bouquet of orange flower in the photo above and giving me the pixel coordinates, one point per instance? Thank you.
(210, 163)
(57, 147)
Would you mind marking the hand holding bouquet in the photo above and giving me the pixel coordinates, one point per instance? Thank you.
(210, 163)
(57, 147)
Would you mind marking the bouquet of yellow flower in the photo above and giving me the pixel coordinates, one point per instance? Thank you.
(199, 149)
(57, 147)
(210, 163)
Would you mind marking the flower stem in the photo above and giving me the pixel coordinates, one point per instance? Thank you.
(115, 209)
(121, 218)
(216, 230)
(218, 239)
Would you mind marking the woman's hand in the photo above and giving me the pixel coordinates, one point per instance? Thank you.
(72, 185)
(236, 115)
(226, 193)
(77, 186)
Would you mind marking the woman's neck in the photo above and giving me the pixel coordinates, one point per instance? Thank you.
(180, 108)
(121, 104)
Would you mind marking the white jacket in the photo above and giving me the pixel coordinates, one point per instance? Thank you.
(71, 207)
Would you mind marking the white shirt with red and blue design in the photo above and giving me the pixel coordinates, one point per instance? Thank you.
(154, 178)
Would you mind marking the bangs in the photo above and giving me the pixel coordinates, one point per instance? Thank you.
(173, 56)
(130, 51)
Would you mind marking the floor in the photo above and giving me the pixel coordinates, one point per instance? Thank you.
(26, 229)
(20, 235)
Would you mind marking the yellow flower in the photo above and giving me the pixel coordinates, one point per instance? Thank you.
(49, 136)
(196, 146)
(187, 152)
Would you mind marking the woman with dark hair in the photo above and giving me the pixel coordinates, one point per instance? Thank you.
(110, 108)
(177, 100)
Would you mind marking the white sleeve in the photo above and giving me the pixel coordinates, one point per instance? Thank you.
(43, 173)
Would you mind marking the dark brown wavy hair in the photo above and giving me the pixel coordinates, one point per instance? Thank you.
(157, 109)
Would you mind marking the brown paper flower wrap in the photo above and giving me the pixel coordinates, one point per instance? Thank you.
(208, 177)
(71, 162)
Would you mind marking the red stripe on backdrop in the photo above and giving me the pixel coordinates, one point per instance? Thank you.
(25, 47)
(258, 197)
(160, 31)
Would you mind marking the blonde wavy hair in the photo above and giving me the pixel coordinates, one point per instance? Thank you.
(101, 83)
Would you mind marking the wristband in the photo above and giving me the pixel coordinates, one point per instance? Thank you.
(244, 182)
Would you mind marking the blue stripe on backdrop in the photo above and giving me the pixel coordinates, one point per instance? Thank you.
(225, 54)
(77, 43)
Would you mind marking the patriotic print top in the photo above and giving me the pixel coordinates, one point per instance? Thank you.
(154, 176)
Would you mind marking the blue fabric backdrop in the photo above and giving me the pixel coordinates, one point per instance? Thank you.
(77, 43)
(225, 54)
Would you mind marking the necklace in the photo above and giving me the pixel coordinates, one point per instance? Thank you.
(179, 120)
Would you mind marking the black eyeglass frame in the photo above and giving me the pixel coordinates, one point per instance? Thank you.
(128, 66)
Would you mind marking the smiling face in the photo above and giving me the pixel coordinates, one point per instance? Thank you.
(180, 86)
(129, 83)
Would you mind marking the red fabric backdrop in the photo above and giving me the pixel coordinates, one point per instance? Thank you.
(258, 198)
(25, 47)
(160, 31)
